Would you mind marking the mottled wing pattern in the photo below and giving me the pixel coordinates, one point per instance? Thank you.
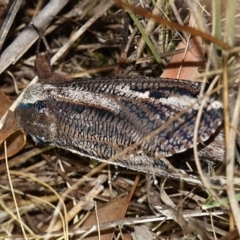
(101, 117)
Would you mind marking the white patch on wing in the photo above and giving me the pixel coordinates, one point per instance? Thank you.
(129, 93)
(78, 96)
(180, 102)
(215, 105)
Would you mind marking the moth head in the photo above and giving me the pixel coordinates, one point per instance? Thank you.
(35, 115)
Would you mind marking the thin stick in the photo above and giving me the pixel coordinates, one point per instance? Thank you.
(28, 37)
(9, 20)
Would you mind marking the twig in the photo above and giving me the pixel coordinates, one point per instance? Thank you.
(27, 38)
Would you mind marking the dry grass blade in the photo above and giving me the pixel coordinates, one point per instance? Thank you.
(175, 26)
(15, 5)
(28, 36)
(230, 158)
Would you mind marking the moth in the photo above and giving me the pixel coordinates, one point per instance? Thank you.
(102, 117)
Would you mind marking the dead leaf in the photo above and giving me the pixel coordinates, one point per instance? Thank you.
(186, 66)
(113, 211)
(10, 130)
